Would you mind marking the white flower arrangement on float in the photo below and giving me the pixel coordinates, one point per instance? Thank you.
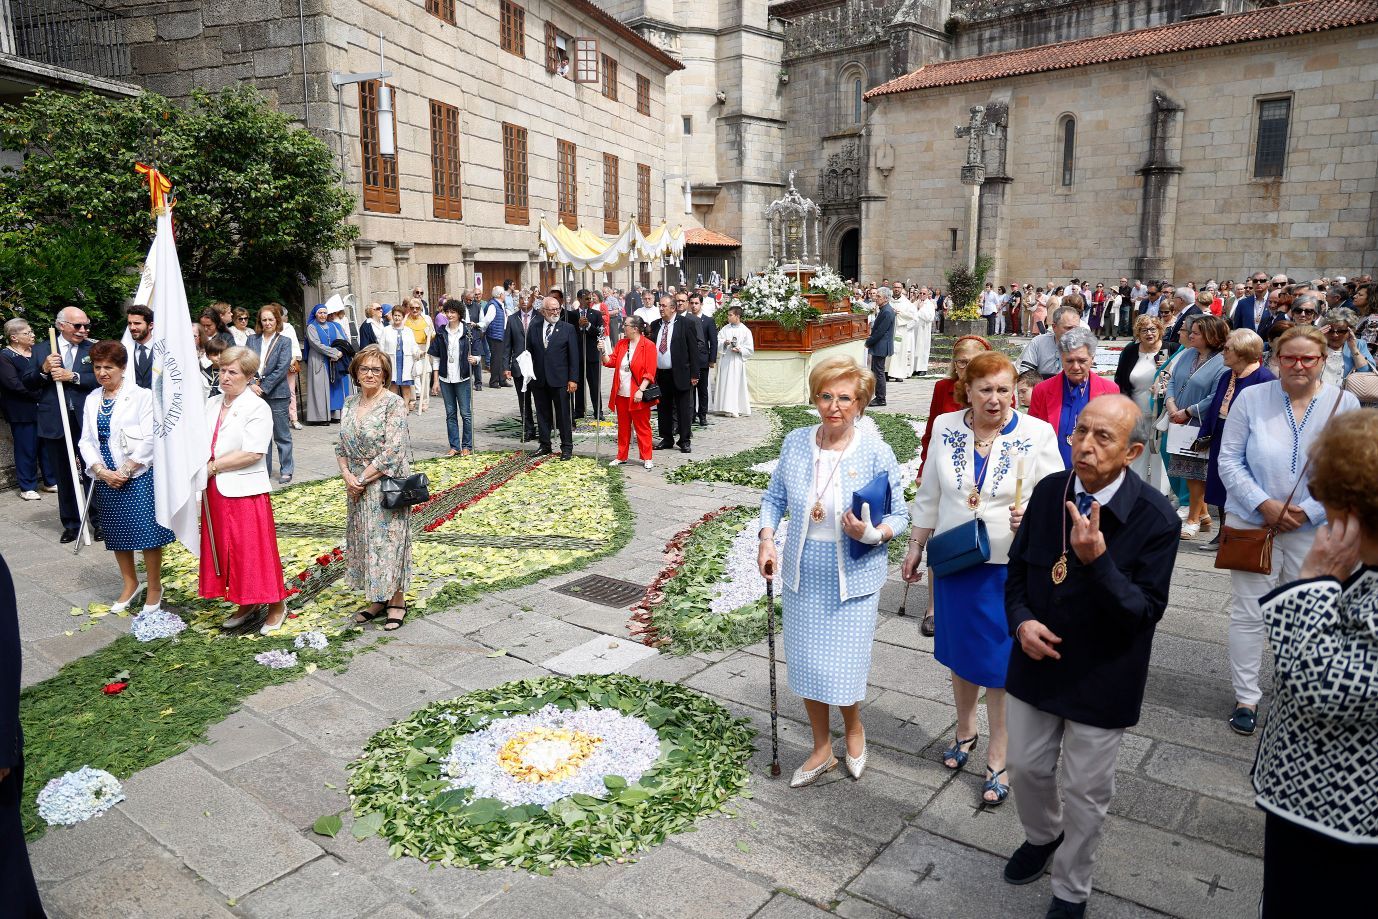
(773, 295)
(830, 284)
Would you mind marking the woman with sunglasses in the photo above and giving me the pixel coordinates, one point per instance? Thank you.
(1345, 353)
(1263, 450)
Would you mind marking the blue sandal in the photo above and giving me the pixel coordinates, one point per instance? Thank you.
(993, 783)
(957, 754)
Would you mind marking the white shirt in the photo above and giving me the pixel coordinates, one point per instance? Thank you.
(453, 371)
(667, 329)
(1103, 496)
(825, 462)
(624, 378)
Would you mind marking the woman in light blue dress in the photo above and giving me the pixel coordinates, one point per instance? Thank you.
(830, 596)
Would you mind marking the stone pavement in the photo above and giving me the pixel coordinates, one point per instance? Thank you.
(224, 829)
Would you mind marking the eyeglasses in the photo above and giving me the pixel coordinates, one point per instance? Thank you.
(1334, 331)
(77, 325)
(1306, 361)
(827, 398)
(1303, 311)
(1279, 283)
(369, 370)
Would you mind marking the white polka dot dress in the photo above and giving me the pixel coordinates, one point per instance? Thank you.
(127, 514)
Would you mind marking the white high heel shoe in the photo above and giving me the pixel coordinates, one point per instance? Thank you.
(804, 777)
(120, 606)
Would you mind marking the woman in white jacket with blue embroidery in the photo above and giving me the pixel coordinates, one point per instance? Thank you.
(830, 597)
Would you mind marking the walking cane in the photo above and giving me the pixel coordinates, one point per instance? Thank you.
(770, 648)
(210, 534)
(904, 600)
(85, 513)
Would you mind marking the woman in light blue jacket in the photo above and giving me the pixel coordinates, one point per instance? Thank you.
(1195, 377)
(830, 597)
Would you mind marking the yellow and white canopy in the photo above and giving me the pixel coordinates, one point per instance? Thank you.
(582, 248)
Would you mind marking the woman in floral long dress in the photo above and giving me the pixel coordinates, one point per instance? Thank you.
(374, 443)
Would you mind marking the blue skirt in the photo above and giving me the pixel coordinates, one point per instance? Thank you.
(127, 516)
(971, 635)
(827, 641)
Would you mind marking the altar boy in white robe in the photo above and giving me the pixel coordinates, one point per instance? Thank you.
(906, 325)
(923, 330)
(735, 347)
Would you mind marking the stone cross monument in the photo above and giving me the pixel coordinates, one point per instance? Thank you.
(974, 174)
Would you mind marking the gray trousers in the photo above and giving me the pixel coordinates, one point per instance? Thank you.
(282, 436)
(1088, 754)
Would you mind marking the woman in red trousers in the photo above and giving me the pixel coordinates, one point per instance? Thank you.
(633, 363)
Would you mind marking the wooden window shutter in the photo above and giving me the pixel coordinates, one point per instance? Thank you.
(610, 77)
(643, 197)
(445, 184)
(612, 225)
(643, 94)
(568, 184)
(514, 175)
(586, 60)
(552, 50)
(379, 172)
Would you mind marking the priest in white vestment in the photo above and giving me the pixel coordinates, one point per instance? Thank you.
(735, 347)
(923, 330)
(906, 325)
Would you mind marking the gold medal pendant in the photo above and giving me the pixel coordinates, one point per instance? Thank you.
(1060, 569)
(974, 499)
(817, 515)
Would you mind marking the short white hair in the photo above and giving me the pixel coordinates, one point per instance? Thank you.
(499, 290)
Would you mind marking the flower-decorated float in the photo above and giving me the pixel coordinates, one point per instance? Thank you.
(545, 773)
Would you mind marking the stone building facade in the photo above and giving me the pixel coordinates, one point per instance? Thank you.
(1209, 148)
(485, 92)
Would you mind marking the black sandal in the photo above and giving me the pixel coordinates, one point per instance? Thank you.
(368, 615)
(391, 624)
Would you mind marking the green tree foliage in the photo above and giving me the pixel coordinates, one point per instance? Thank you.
(259, 205)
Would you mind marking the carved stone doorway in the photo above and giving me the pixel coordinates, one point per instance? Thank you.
(849, 254)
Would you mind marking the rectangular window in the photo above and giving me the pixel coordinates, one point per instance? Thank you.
(556, 51)
(513, 28)
(586, 60)
(611, 220)
(688, 124)
(953, 232)
(1271, 154)
(379, 172)
(517, 204)
(567, 190)
(643, 94)
(445, 161)
(443, 9)
(643, 197)
(610, 77)
(435, 284)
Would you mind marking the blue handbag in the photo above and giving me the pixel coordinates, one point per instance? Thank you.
(876, 493)
(964, 546)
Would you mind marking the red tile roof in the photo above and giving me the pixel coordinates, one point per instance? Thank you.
(628, 34)
(698, 236)
(1296, 18)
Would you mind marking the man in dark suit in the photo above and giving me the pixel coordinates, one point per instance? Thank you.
(1088, 580)
(707, 356)
(518, 328)
(1252, 312)
(881, 342)
(16, 874)
(1186, 298)
(140, 320)
(555, 367)
(588, 323)
(71, 365)
(677, 373)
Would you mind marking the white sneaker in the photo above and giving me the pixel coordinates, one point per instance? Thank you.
(647, 464)
(30, 496)
(48, 488)
(296, 425)
(616, 462)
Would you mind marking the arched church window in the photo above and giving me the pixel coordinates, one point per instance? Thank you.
(1069, 150)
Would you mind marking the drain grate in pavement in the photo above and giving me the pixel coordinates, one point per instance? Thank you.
(599, 588)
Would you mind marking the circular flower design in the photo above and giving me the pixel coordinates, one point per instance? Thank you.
(543, 773)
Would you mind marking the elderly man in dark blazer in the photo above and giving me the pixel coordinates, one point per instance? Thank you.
(71, 366)
(676, 338)
(587, 321)
(880, 344)
(555, 371)
(1088, 581)
(707, 355)
(518, 328)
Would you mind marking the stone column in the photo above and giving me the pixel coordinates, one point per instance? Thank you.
(1158, 209)
(401, 254)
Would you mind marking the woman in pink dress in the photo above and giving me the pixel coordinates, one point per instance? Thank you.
(240, 560)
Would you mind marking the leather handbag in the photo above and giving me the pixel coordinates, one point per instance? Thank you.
(405, 491)
(651, 393)
(964, 546)
(1364, 386)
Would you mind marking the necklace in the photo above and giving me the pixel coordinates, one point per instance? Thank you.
(107, 406)
(1060, 566)
(974, 496)
(817, 514)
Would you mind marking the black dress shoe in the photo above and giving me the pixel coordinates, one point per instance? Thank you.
(530, 435)
(877, 401)
(665, 445)
(1029, 861)
(684, 448)
(566, 456)
(69, 535)
(543, 451)
(927, 626)
(1061, 909)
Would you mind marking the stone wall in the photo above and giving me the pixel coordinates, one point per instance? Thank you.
(178, 45)
(990, 26)
(1315, 220)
